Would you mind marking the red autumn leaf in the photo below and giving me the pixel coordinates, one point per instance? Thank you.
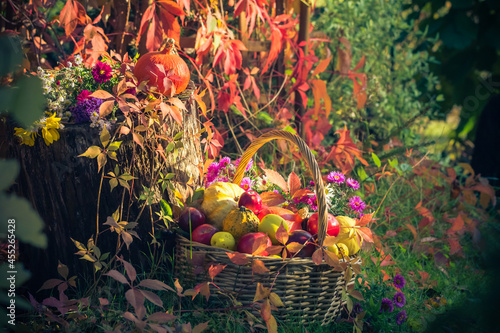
(214, 270)
(343, 61)
(276, 179)
(356, 294)
(425, 212)
(360, 64)
(282, 234)
(72, 14)
(304, 192)
(200, 327)
(272, 199)
(169, 11)
(258, 267)
(238, 258)
(276, 46)
(343, 152)
(455, 247)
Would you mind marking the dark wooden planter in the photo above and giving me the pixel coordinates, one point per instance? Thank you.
(63, 189)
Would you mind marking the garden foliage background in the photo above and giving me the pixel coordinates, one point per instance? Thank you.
(391, 77)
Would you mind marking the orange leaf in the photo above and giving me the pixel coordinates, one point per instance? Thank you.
(282, 234)
(360, 64)
(259, 246)
(319, 92)
(321, 66)
(261, 292)
(214, 270)
(106, 108)
(458, 225)
(366, 233)
(272, 198)
(364, 220)
(276, 45)
(265, 310)
(258, 267)
(276, 179)
(238, 258)
(204, 289)
(293, 183)
(317, 256)
(455, 247)
(102, 94)
(272, 325)
(413, 230)
(273, 250)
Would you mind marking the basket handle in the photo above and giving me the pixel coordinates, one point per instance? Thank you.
(311, 163)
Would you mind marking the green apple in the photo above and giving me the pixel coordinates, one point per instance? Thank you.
(223, 240)
(270, 224)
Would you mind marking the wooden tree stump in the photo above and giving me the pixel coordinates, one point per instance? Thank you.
(63, 189)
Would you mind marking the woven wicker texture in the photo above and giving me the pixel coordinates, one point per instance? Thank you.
(310, 292)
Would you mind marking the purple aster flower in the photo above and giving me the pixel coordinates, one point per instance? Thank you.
(84, 109)
(83, 95)
(312, 183)
(357, 308)
(399, 281)
(356, 204)
(101, 72)
(249, 165)
(335, 177)
(276, 191)
(387, 305)
(224, 162)
(352, 183)
(401, 317)
(399, 299)
(246, 184)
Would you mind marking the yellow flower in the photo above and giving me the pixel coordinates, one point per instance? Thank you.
(27, 137)
(49, 131)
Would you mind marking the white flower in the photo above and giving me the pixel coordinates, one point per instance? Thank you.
(262, 184)
(70, 64)
(78, 60)
(329, 195)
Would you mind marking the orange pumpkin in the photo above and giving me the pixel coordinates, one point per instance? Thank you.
(174, 67)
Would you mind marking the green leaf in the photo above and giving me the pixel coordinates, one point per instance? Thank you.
(178, 136)
(165, 208)
(264, 116)
(393, 163)
(361, 173)
(114, 145)
(9, 169)
(113, 182)
(104, 137)
(169, 148)
(11, 54)
(290, 129)
(91, 152)
(24, 110)
(29, 225)
(169, 176)
(376, 160)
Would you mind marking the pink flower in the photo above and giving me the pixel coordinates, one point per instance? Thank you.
(101, 72)
(352, 183)
(83, 95)
(224, 162)
(356, 204)
(246, 184)
(335, 177)
(249, 165)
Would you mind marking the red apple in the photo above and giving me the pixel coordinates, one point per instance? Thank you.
(203, 234)
(251, 200)
(332, 228)
(192, 214)
(302, 237)
(245, 245)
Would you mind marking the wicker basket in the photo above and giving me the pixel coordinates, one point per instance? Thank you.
(310, 292)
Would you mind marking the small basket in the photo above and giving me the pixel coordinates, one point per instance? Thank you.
(310, 292)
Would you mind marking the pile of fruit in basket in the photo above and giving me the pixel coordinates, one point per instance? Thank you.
(234, 217)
